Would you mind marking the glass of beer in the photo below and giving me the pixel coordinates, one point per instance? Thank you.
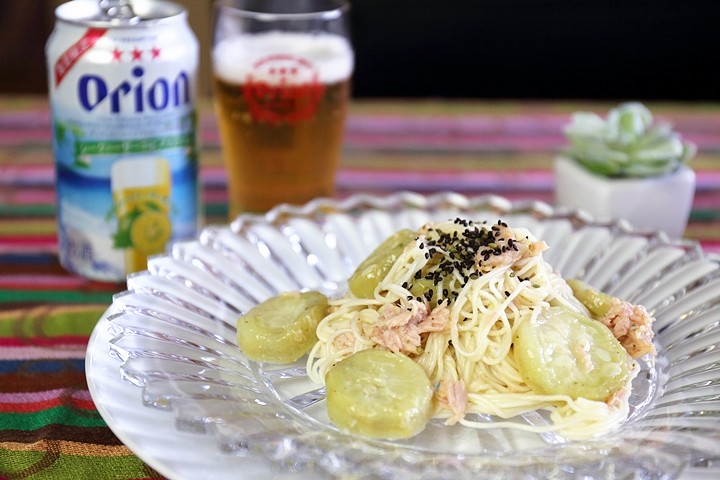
(282, 71)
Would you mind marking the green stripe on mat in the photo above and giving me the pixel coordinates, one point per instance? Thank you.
(46, 466)
(705, 215)
(55, 297)
(51, 321)
(216, 209)
(41, 210)
(61, 415)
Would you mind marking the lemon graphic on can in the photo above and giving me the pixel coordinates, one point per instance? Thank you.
(149, 232)
(141, 194)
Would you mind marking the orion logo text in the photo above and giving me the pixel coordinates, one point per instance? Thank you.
(134, 95)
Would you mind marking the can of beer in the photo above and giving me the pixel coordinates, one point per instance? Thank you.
(122, 95)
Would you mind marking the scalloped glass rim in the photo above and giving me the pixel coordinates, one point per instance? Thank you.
(175, 337)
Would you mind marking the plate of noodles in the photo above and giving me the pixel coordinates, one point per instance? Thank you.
(442, 336)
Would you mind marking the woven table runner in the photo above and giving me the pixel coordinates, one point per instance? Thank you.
(49, 426)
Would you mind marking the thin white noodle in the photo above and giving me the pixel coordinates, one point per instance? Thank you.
(476, 348)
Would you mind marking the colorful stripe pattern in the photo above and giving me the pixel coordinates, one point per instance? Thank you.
(49, 426)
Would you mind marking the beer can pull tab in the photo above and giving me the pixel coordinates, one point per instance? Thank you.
(119, 11)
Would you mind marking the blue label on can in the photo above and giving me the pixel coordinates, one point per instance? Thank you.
(125, 143)
(96, 222)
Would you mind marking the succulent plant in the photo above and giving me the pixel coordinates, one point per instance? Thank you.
(626, 144)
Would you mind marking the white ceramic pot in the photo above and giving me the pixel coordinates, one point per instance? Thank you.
(655, 203)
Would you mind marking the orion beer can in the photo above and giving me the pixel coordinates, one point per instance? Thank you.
(122, 95)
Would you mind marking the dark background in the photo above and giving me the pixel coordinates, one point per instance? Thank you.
(641, 49)
(522, 49)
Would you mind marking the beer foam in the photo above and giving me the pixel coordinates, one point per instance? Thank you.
(237, 58)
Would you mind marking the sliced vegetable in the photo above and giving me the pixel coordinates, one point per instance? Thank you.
(282, 328)
(379, 394)
(597, 302)
(422, 288)
(376, 266)
(566, 353)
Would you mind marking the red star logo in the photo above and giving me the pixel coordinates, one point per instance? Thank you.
(155, 52)
(117, 54)
(136, 54)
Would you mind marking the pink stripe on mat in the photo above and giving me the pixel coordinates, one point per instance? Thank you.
(22, 397)
(17, 247)
(72, 340)
(40, 353)
(42, 396)
(529, 181)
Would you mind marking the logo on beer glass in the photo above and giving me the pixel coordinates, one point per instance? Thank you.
(283, 89)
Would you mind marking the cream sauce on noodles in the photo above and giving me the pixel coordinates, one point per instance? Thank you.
(480, 282)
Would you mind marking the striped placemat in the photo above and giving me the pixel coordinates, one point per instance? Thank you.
(49, 427)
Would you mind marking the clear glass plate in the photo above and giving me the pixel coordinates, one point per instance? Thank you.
(174, 333)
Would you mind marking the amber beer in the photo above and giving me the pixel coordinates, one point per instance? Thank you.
(281, 115)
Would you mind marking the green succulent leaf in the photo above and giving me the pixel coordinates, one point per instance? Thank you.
(628, 143)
